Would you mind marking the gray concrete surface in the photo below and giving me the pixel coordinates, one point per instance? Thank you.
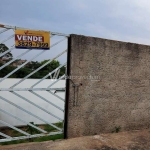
(119, 98)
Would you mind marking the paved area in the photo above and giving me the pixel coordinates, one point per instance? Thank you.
(134, 140)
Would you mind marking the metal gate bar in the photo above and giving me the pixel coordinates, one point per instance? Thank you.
(7, 124)
(27, 62)
(31, 89)
(4, 99)
(28, 123)
(38, 69)
(7, 39)
(45, 76)
(22, 97)
(4, 30)
(7, 51)
(4, 135)
(56, 81)
(57, 95)
(27, 137)
(15, 59)
(47, 100)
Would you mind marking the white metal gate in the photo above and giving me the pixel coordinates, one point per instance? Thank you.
(58, 50)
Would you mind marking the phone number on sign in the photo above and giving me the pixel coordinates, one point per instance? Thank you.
(33, 44)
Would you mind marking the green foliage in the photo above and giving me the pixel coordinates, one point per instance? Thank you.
(16, 133)
(51, 66)
(40, 139)
(48, 138)
(59, 124)
(62, 71)
(117, 129)
(14, 142)
(32, 130)
(4, 48)
(6, 70)
(49, 128)
(48, 68)
(31, 67)
(28, 68)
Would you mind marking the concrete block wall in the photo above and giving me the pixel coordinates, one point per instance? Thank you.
(120, 97)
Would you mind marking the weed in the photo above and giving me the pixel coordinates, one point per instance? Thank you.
(116, 130)
(32, 130)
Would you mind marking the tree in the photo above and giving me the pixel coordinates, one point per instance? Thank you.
(30, 67)
(33, 65)
(62, 70)
(22, 72)
(51, 66)
(48, 68)
(7, 70)
(4, 48)
(45, 70)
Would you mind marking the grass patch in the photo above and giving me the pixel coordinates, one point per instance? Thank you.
(31, 130)
(14, 142)
(117, 129)
(49, 128)
(40, 139)
(48, 138)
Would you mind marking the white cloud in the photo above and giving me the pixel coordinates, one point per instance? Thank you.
(113, 19)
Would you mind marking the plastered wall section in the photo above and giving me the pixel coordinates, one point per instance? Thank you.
(112, 86)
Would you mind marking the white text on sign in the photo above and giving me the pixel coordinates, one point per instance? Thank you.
(29, 38)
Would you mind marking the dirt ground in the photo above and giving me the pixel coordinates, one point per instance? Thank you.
(133, 140)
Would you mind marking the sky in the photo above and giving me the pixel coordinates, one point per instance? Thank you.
(126, 20)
